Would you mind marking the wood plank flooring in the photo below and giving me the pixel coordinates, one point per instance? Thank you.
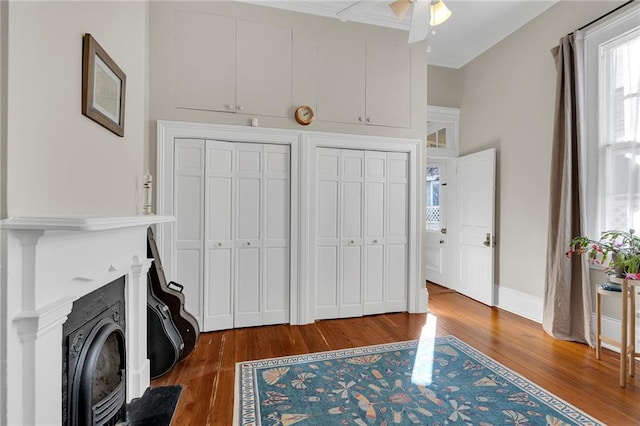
(566, 369)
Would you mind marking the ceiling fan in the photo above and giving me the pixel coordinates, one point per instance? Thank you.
(425, 13)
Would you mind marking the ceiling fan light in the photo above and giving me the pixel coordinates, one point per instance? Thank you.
(399, 8)
(439, 13)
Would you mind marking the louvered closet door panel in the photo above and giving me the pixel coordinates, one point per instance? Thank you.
(397, 231)
(374, 237)
(189, 207)
(219, 244)
(276, 219)
(328, 233)
(351, 213)
(248, 213)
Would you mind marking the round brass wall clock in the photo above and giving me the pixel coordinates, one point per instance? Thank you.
(304, 115)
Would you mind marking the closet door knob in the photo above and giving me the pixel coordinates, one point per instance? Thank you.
(368, 120)
(231, 106)
(360, 119)
(240, 108)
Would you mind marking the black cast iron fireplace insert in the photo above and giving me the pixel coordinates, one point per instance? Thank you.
(94, 359)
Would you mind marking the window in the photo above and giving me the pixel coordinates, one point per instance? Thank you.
(442, 132)
(433, 198)
(612, 76)
(619, 134)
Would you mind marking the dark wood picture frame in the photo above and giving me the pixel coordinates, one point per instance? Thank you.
(103, 87)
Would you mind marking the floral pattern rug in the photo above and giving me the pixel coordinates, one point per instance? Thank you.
(441, 381)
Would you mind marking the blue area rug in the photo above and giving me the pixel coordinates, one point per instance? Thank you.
(441, 382)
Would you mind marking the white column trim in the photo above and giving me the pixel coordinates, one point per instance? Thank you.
(31, 324)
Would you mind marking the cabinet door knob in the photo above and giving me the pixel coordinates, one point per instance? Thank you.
(231, 106)
(375, 241)
(240, 108)
(218, 244)
(368, 120)
(248, 244)
(351, 242)
(360, 119)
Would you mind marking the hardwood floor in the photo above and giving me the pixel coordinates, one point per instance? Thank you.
(566, 369)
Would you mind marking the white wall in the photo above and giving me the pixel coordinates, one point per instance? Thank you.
(3, 200)
(4, 27)
(306, 29)
(508, 102)
(61, 162)
(444, 87)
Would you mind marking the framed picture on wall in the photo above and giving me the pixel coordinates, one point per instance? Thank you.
(103, 87)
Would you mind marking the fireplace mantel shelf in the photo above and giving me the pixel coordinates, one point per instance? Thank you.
(81, 223)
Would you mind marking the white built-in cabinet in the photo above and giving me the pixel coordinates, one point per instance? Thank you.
(232, 208)
(362, 232)
(364, 82)
(226, 64)
(280, 226)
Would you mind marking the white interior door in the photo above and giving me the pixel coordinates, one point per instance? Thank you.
(436, 222)
(275, 240)
(351, 265)
(475, 241)
(189, 226)
(397, 240)
(328, 233)
(219, 274)
(248, 212)
(375, 217)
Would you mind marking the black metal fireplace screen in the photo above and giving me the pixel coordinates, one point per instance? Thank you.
(94, 359)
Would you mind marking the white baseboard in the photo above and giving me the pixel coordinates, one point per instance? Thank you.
(524, 304)
(531, 307)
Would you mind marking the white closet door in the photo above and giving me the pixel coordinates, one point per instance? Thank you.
(328, 233)
(397, 231)
(275, 241)
(248, 247)
(351, 211)
(189, 226)
(218, 242)
(374, 228)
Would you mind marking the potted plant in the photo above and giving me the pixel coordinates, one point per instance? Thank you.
(619, 251)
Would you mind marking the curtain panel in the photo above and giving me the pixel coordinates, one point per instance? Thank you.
(567, 298)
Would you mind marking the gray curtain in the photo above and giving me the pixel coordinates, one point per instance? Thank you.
(567, 298)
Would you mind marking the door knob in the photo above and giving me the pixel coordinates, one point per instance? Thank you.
(487, 241)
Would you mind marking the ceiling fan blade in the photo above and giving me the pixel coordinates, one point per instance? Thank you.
(399, 8)
(355, 9)
(419, 21)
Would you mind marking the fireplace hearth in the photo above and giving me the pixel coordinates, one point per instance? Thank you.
(94, 358)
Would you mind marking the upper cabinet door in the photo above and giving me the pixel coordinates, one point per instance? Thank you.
(388, 81)
(204, 61)
(341, 83)
(264, 69)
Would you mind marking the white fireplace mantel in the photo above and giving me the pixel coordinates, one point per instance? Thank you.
(81, 223)
(47, 263)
